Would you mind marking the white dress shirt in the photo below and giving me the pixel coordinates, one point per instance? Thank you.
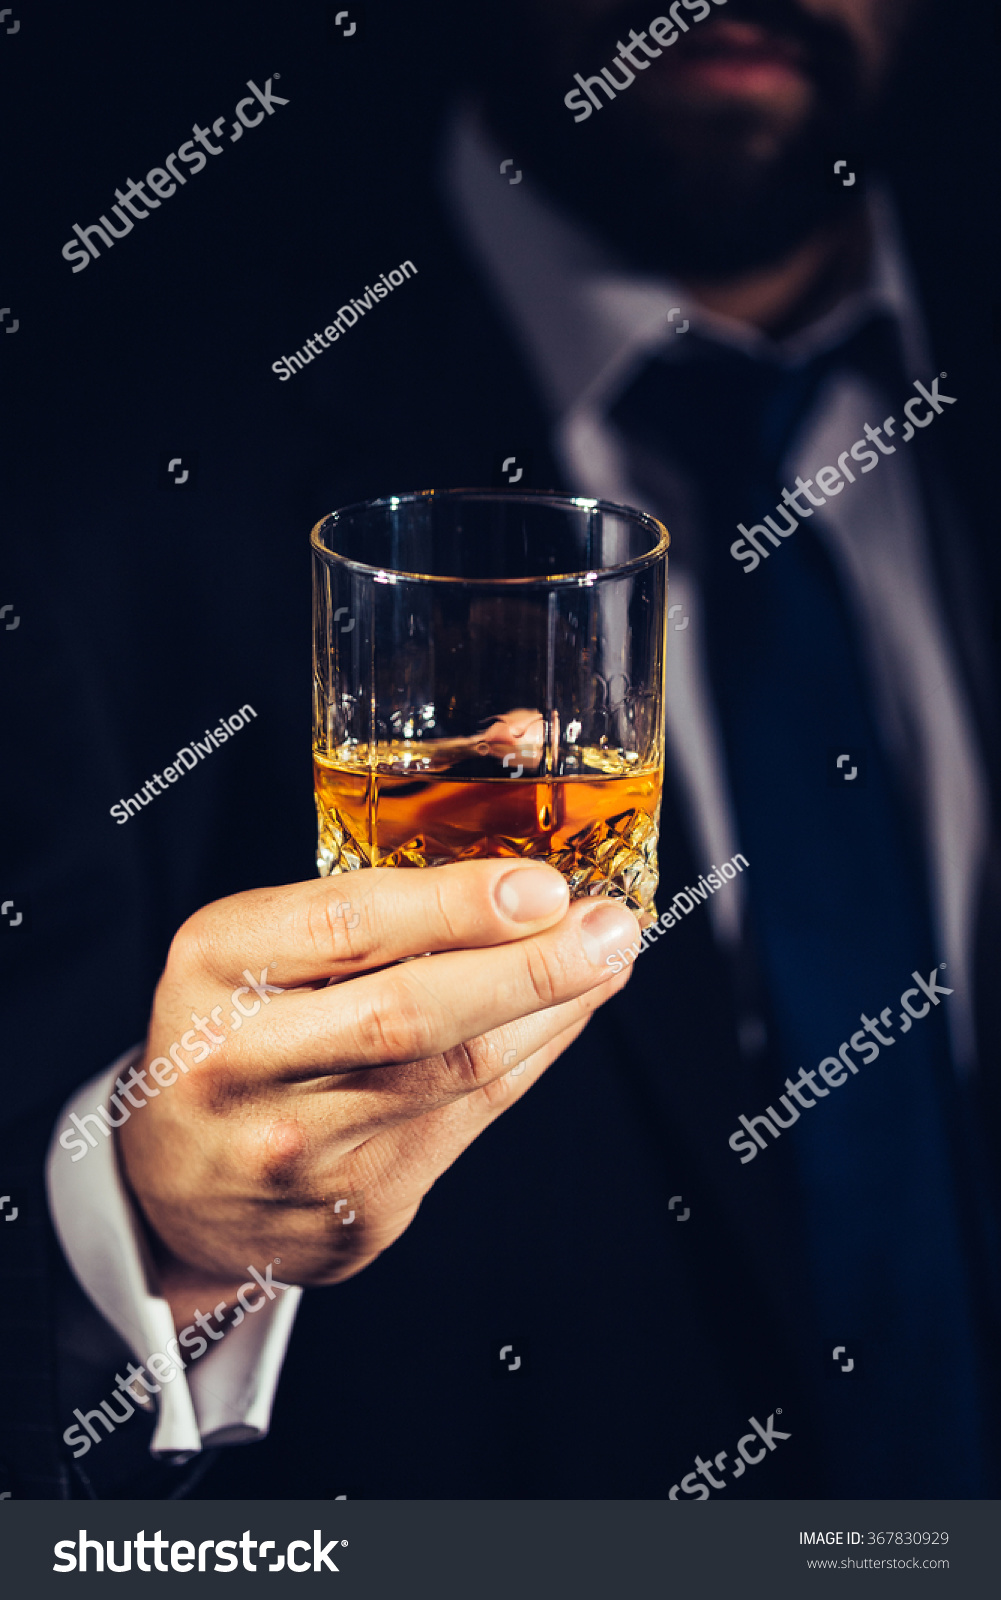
(224, 1397)
(587, 325)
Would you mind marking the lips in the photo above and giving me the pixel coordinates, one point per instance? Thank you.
(741, 58)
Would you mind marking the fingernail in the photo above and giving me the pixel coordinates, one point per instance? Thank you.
(606, 928)
(530, 893)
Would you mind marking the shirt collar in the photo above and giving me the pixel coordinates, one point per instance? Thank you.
(587, 322)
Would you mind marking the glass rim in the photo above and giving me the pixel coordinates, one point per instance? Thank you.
(588, 576)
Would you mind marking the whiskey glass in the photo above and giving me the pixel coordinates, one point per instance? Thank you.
(488, 680)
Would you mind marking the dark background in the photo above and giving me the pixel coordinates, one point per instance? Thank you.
(148, 613)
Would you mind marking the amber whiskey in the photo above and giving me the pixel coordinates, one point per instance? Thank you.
(415, 806)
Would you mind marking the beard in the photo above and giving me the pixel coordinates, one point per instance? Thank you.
(700, 187)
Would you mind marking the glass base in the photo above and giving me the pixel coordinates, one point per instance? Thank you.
(614, 858)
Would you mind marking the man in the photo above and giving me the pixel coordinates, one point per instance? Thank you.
(668, 1256)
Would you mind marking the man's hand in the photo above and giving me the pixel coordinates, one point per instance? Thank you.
(367, 1075)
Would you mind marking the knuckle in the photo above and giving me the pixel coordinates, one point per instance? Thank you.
(331, 929)
(441, 908)
(194, 944)
(543, 972)
(393, 1025)
(281, 1158)
(496, 1093)
(472, 1064)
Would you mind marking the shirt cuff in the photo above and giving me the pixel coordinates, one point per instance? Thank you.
(222, 1395)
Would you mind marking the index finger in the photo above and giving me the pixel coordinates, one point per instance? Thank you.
(353, 922)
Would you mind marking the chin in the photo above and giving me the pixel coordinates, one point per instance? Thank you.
(712, 187)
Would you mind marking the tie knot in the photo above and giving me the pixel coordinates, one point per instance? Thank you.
(714, 410)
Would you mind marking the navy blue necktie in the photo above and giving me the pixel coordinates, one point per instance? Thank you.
(838, 917)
